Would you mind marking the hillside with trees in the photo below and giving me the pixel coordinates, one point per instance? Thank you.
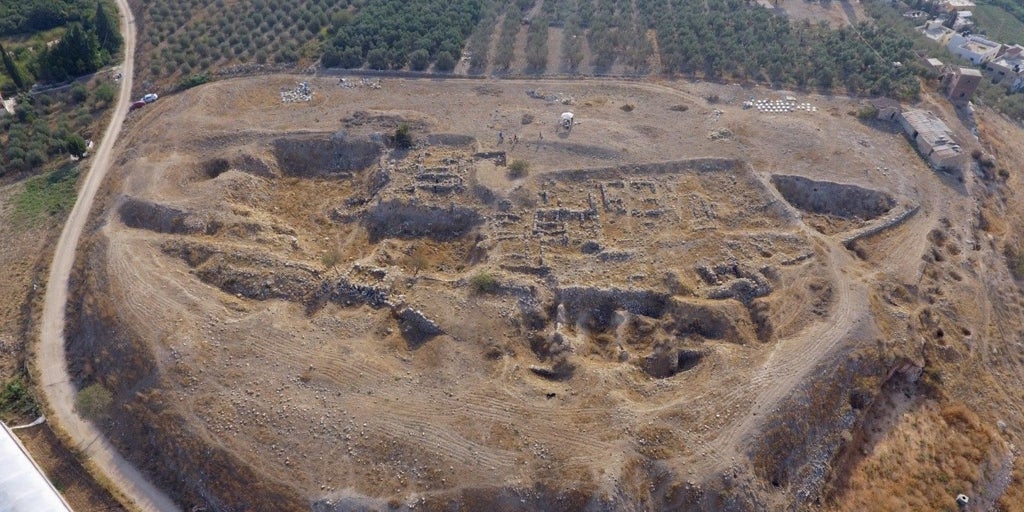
(54, 42)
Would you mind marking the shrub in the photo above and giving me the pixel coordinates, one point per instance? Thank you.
(79, 93)
(331, 258)
(483, 282)
(16, 399)
(93, 402)
(403, 137)
(867, 112)
(1015, 261)
(628, 107)
(193, 80)
(527, 119)
(518, 169)
(105, 93)
(75, 145)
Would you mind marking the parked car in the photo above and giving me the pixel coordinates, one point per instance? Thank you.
(150, 98)
(137, 105)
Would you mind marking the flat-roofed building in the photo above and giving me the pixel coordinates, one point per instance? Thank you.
(963, 83)
(934, 140)
(1008, 67)
(976, 49)
(937, 32)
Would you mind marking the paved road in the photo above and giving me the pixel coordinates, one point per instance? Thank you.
(58, 390)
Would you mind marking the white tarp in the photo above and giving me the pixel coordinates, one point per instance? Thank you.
(23, 487)
(566, 116)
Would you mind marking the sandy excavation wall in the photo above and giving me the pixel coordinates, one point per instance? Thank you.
(142, 214)
(413, 220)
(324, 155)
(829, 198)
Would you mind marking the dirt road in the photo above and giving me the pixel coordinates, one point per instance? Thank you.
(50, 360)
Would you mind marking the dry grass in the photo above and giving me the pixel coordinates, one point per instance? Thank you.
(932, 454)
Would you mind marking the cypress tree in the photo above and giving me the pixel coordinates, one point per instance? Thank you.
(106, 30)
(76, 54)
(12, 69)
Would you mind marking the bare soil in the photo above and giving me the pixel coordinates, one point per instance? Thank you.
(648, 318)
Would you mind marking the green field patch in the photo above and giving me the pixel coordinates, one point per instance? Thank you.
(46, 196)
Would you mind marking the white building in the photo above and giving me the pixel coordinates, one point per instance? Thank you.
(976, 49)
(957, 5)
(1007, 68)
(937, 32)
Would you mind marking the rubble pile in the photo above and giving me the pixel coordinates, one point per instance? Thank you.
(300, 93)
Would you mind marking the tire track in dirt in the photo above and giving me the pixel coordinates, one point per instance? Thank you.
(792, 358)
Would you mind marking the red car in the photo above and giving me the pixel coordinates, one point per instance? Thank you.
(137, 105)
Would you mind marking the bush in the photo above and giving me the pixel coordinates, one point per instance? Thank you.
(75, 145)
(93, 402)
(628, 107)
(518, 169)
(331, 258)
(403, 137)
(105, 93)
(527, 119)
(987, 162)
(15, 399)
(1014, 261)
(483, 282)
(193, 80)
(867, 112)
(79, 93)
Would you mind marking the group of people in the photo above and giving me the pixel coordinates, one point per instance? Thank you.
(515, 137)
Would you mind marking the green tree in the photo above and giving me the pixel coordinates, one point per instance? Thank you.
(76, 54)
(13, 70)
(75, 145)
(106, 30)
(419, 60)
(445, 62)
(377, 58)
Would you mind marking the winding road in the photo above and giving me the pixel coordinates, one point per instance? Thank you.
(58, 390)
